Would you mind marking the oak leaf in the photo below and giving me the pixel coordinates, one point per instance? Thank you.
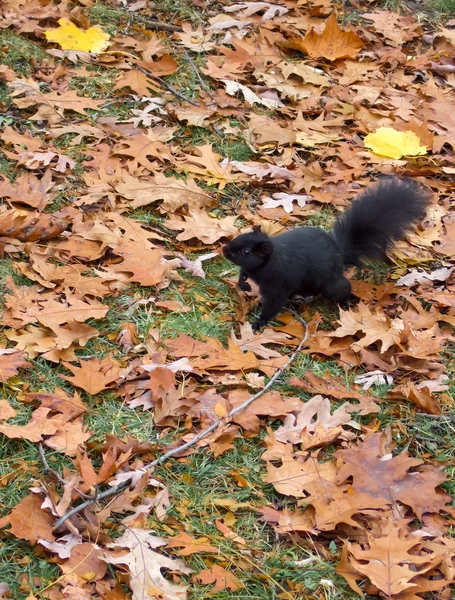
(10, 363)
(31, 227)
(190, 545)
(28, 190)
(29, 521)
(201, 226)
(223, 580)
(313, 425)
(94, 375)
(401, 478)
(301, 479)
(144, 564)
(136, 80)
(172, 192)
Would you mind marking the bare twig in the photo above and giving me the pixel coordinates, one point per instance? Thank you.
(158, 26)
(166, 85)
(436, 417)
(56, 474)
(204, 433)
(198, 75)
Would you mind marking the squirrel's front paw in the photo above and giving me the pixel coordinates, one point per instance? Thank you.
(258, 325)
(244, 286)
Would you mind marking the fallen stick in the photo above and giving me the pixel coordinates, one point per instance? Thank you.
(158, 461)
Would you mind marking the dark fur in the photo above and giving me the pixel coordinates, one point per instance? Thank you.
(308, 261)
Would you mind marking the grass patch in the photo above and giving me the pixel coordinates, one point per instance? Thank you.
(18, 52)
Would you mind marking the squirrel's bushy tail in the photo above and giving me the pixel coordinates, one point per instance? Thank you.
(379, 216)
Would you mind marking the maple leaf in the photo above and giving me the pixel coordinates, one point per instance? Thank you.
(145, 565)
(391, 143)
(70, 37)
(94, 374)
(333, 43)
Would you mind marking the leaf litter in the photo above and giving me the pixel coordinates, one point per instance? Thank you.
(117, 199)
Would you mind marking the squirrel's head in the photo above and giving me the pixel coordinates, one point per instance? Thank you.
(250, 251)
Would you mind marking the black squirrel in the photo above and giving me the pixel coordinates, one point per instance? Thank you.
(309, 261)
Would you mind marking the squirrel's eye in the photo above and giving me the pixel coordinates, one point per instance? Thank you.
(247, 251)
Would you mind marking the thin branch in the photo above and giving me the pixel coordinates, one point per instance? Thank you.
(158, 26)
(56, 474)
(166, 85)
(198, 75)
(436, 417)
(204, 433)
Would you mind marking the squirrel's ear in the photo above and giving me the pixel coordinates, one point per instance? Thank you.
(265, 250)
(257, 229)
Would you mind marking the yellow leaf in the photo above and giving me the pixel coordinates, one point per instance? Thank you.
(220, 411)
(394, 144)
(70, 37)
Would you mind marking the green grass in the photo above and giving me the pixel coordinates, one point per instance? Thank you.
(19, 51)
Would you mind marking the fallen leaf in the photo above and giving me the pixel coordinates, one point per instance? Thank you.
(391, 143)
(333, 43)
(29, 521)
(70, 37)
(94, 375)
(145, 565)
(223, 580)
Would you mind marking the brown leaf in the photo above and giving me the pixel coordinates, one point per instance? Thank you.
(189, 545)
(172, 192)
(333, 43)
(302, 479)
(10, 363)
(375, 471)
(94, 375)
(29, 521)
(224, 580)
(145, 565)
(136, 80)
(421, 397)
(69, 437)
(28, 190)
(202, 227)
(87, 561)
(6, 411)
(31, 227)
